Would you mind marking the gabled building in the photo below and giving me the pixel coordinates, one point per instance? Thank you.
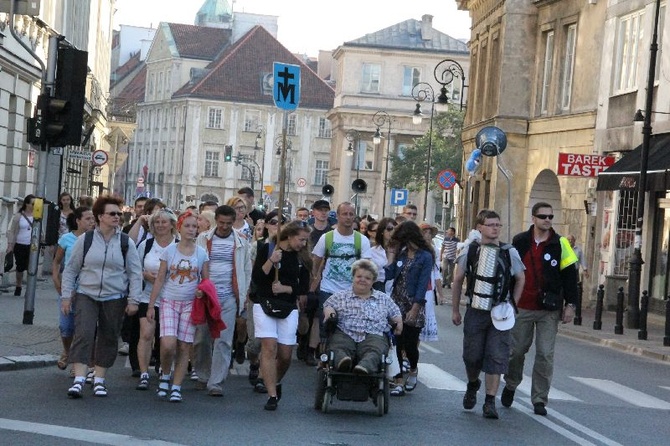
(203, 94)
(374, 73)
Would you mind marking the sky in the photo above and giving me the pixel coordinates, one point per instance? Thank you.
(307, 26)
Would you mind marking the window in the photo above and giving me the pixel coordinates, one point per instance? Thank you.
(568, 66)
(548, 68)
(214, 119)
(159, 117)
(160, 82)
(211, 164)
(325, 128)
(321, 174)
(624, 235)
(174, 117)
(291, 128)
(150, 88)
(252, 120)
(411, 77)
(629, 35)
(168, 81)
(371, 76)
(659, 53)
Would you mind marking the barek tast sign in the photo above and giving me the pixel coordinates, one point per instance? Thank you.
(576, 165)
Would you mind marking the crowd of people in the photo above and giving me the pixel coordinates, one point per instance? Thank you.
(193, 291)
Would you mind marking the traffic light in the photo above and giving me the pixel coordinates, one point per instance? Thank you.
(228, 154)
(65, 111)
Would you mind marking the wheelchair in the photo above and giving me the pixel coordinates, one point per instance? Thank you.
(332, 384)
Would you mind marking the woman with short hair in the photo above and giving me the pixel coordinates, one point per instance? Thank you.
(18, 239)
(240, 225)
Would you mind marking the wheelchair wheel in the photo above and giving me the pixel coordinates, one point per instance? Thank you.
(380, 403)
(327, 398)
(387, 395)
(320, 389)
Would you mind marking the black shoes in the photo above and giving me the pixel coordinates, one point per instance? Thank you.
(17, 291)
(253, 373)
(539, 409)
(470, 397)
(489, 410)
(272, 403)
(344, 365)
(240, 354)
(507, 397)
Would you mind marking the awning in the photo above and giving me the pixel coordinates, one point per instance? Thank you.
(625, 173)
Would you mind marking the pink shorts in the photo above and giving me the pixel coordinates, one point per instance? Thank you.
(175, 319)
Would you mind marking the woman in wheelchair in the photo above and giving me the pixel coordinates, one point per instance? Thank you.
(363, 315)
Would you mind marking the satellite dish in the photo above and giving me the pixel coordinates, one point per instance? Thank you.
(491, 141)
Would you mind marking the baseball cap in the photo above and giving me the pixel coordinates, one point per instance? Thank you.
(320, 204)
(502, 316)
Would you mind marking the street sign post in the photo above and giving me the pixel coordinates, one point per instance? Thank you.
(79, 155)
(399, 197)
(286, 88)
(446, 179)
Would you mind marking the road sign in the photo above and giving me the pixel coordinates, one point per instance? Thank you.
(80, 155)
(268, 189)
(399, 197)
(100, 157)
(446, 179)
(286, 88)
(301, 182)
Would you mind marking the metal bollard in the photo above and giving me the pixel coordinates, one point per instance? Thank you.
(578, 309)
(618, 327)
(644, 310)
(600, 296)
(666, 338)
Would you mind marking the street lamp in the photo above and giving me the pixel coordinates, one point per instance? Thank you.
(445, 72)
(353, 136)
(259, 137)
(424, 92)
(380, 119)
(633, 310)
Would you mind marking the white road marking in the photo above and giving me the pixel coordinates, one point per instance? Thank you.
(434, 377)
(85, 435)
(554, 394)
(665, 387)
(624, 393)
(546, 421)
(425, 346)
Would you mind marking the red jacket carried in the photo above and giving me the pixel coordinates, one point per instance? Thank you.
(208, 310)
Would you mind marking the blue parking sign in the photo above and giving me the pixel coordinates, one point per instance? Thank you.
(286, 88)
(399, 197)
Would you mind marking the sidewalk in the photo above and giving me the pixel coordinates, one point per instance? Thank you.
(38, 345)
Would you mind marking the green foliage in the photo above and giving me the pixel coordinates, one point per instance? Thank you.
(408, 169)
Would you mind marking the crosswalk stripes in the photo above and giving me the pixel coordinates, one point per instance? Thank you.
(554, 394)
(624, 393)
(434, 377)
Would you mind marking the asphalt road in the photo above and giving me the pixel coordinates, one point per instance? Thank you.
(600, 397)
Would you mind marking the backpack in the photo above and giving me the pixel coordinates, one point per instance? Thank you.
(502, 280)
(330, 235)
(88, 241)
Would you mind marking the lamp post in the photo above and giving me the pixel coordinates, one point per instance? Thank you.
(280, 149)
(259, 137)
(634, 273)
(354, 149)
(381, 118)
(445, 72)
(420, 93)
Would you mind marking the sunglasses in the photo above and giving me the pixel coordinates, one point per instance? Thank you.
(390, 228)
(544, 216)
(114, 214)
(273, 222)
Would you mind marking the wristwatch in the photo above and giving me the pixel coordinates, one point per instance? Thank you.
(571, 306)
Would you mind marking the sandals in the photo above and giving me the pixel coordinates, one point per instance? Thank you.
(175, 396)
(99, 389)
(144, 383)
(62, 361)
(397, 390)
(90, 375)
(410, 384)
(163, 388)
(75, 391)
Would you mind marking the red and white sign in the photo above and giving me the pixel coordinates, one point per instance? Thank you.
(574, 165)
(301, 182)
(100, 158)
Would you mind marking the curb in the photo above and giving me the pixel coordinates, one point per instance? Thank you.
(11, 363)
(617, 345)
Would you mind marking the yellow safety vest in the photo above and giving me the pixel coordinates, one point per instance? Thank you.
(568, 256)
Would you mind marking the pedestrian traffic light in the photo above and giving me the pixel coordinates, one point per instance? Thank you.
(228, 154)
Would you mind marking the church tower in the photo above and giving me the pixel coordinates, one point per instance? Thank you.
(215, 14)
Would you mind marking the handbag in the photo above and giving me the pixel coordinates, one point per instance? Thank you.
(276, 308)
(9, 261)
(551, 301)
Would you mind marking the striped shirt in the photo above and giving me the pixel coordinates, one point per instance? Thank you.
(358, 317)
(449, 248)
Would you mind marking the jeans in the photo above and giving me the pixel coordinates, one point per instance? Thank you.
(543, 326)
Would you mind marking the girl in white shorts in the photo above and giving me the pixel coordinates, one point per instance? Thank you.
(182, 266)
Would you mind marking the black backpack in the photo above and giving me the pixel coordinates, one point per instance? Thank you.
(503, 279)
(88, 241)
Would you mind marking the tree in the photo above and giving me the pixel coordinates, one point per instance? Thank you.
(408, 167)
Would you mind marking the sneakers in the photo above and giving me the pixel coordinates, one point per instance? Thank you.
(253, 373)
(539, 409)
(470, 397)
(144, 382)
(489, 410)
(344, 365)
(215, 390)
(359, 369)
(17, 291)
(194, 376)
(75, 391)
(99, 389)
(200, 385)
(123, 350)
(272, 403)
(278, 388)
(507, 397)
(260, 386)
